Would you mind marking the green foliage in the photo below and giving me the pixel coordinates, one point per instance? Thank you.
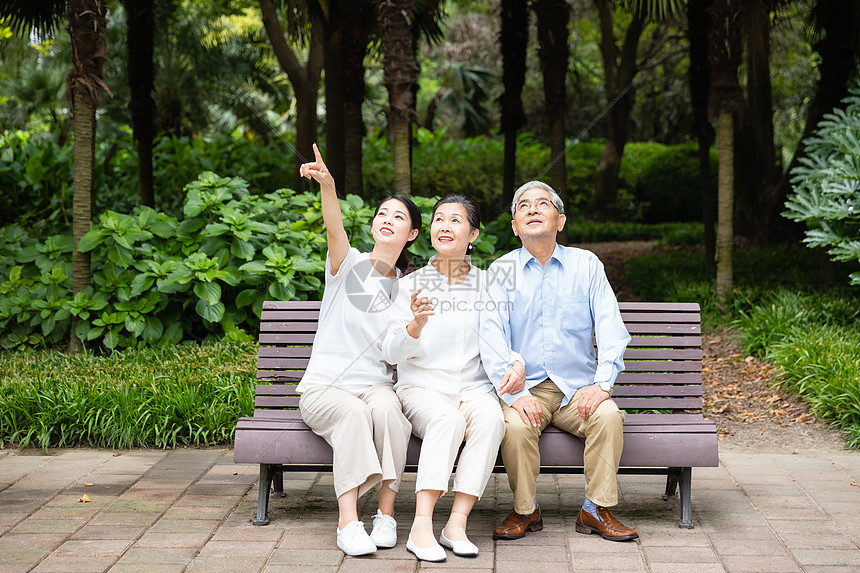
(827, 185)
(667, 181)
(676, 234)
(186, 394)
(813, 340)
(158, 280)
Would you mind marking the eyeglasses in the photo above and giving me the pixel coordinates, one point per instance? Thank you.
(542, 204)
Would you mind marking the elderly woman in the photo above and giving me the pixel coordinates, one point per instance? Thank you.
(445, 393)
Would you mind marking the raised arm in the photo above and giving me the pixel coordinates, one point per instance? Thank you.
(336, 239)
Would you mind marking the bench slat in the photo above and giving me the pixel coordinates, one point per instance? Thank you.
(286, 338)
(665, 341)
(659, 403)
(660, 366)
(658, 306)
(291, 304)
(637, 328)
(660, 317)
(280, 326)
(283, 315)
(661, 354)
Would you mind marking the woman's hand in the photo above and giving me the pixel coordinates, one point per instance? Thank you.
(422, 310)
(514, 379)
(317, 170)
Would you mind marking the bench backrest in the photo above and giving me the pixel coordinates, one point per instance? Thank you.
(663, 375)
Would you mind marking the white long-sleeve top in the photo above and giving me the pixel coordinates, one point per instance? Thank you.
(446, 355)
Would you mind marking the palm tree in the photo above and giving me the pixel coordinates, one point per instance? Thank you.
(513, 40)
(304, 79)
(86, 26)
(141, 80)
(726, 100)
(553, 17)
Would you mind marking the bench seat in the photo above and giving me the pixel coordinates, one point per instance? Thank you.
(665, 432)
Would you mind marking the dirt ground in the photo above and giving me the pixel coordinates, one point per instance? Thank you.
(740, 392)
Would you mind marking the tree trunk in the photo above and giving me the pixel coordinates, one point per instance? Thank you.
(620, 67)
(513, 39)
(725, 206)
(726, 98)
(304, 79)
(139, 26)
(335, 127)
(698, 29)
(553, 17)
(87, 24)
(400, 77)
(356, 35)
(757, 216)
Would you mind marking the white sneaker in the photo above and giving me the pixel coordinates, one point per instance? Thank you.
(354, 540)
(384, 532)
(435, 553)
(460, 548)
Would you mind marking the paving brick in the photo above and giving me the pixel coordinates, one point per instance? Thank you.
(760, 564)
(290, 556)
(225, 564)
(92, 547)
(680, 555)
(116, 532)
(508, 566)
(74, 563)
(157, 556)
(173, 539)
(839, 557)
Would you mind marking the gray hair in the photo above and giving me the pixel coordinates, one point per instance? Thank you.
(556, 200)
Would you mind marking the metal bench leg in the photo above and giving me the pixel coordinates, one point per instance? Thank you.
(278, 483)
(686, 483)
(263, 495)
(671, 483)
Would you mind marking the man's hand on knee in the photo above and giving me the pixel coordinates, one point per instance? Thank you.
(590, 398)
(530, 410)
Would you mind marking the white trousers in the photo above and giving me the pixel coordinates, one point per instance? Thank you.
(442, 423)
(367, 432)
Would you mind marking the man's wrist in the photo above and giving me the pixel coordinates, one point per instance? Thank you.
(605, 386)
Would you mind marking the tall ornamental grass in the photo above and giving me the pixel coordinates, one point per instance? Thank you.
(148, 397)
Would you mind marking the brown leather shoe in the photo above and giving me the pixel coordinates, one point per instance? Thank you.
(605, 524)
(516, 525)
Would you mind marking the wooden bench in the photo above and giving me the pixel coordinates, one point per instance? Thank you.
(665, 432)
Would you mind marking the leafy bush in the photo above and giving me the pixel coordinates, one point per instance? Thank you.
(186, 394)
(158, 280)
(827, 184)
(666, 181)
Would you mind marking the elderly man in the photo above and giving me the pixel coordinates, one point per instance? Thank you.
(544, 302)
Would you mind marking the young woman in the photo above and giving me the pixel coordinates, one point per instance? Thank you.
(347, 393)
(433, 339)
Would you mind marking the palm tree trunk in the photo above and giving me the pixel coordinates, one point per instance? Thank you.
(553, 17)
(87, 24)
(356, 36)
(400, 77)
(141, 77)
(698, 26)
(335, 128)
(304, 79)
(620, 67)
(725, 205)
(513, 39)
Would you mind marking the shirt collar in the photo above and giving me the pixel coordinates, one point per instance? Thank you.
(525, 256)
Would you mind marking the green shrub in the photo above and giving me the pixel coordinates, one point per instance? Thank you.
(826, 186)
(186, 394)
(666, 181)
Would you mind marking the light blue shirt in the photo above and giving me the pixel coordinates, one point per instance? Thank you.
(544, 316)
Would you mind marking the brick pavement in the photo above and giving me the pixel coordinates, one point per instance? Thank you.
(189, 510)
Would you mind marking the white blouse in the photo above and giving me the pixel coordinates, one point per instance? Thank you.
(347, 349)
(446, 355)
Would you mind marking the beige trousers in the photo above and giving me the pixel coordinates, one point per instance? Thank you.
(602, 432)
(367, 432)
(443, 424)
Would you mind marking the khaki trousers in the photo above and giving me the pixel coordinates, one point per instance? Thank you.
(443, 423)
(367, 432)
(602, 432)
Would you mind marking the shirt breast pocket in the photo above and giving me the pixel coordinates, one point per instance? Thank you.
(576, 315)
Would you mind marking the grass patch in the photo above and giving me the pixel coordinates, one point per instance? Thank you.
(180, 395)
(781, 314)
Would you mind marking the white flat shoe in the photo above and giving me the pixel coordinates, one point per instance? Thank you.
(434, 554)
(460, 548)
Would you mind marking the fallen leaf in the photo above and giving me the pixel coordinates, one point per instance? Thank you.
(855, 484)
(749, 359)
(84, 499)
(235, 473)
(167, 448)
(88, 484)
(801, 418)
(226, 450)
